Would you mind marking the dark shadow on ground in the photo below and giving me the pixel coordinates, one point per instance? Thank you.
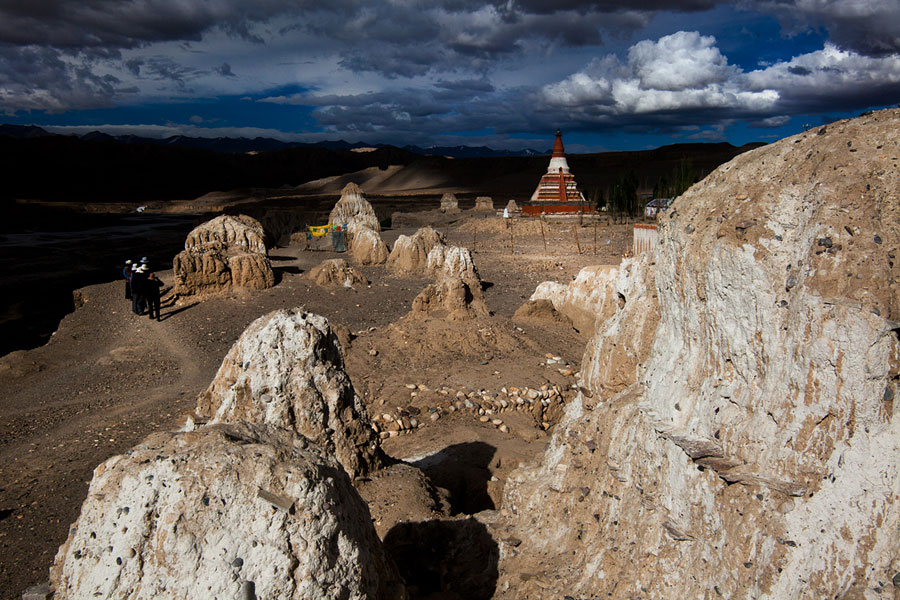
(450, 560)
(486, 285)
(276, 257)
(462, 469)
(279, 272)
(172, 313)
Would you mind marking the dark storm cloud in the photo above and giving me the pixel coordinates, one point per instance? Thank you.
(128, 23)
(225, 70)
(870, 27)
(39, 78)
(582, 6)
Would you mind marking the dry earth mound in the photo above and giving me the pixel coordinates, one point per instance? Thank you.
(457, 287)
(768, 360)
(224, 512)
(286, 370)
(353, 208)
(222, 253)
(366, 246)
(409, 255)
(337, 272)
(484, 204)
(540, 311)
(239, 231)
(363, 239)
(449, 203)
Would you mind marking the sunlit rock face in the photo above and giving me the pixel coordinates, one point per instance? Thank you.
(223, 253)
(735, 434)
(286, 370)
(409, 256)
(229, 511)
(456, 291)
(354, 208)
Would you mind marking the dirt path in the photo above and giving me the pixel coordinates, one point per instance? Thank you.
(108, 378)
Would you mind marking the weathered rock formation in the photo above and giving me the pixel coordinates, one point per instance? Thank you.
(232, 231)
(409, 256)
(588, 298)
(457, 286)
(484, 204)
(231, 511)
(363, 239)
(366, 246)
(744, 444)
(354, 208)
(223, 253)
(337, 272)
(286, 370)
(449, 203)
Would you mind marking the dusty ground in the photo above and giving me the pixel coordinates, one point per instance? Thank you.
(108, 378)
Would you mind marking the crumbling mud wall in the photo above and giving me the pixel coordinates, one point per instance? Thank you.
(746, 445)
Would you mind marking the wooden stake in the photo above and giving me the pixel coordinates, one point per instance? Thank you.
(578, 243)
(595, 236)
(542, 234)
(512, 243)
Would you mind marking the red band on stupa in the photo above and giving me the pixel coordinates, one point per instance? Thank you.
(558, 149)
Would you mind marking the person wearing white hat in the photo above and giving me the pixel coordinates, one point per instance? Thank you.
(138, 293)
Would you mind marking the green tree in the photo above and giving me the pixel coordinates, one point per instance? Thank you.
(677, 181)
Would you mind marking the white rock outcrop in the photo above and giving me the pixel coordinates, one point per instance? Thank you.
(224, 512)
(409, 256)
(745, 446)
(286, 371)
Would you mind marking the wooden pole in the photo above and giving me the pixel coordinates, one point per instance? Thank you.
(543, 237)
(512, 243)
(577, 242)
(595, 236)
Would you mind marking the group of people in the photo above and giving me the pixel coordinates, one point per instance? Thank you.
(142, 287)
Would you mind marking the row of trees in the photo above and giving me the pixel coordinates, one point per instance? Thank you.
(621, 197)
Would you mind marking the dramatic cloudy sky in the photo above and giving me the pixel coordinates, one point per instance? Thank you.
(612, 74)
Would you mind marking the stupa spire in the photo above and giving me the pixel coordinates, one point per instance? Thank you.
(557, 184)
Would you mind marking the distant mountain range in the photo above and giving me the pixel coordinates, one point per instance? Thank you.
(261, 144)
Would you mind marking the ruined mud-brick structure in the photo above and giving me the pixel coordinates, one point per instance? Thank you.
(557, 192)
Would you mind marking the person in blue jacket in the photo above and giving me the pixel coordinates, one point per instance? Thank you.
(126, 273)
